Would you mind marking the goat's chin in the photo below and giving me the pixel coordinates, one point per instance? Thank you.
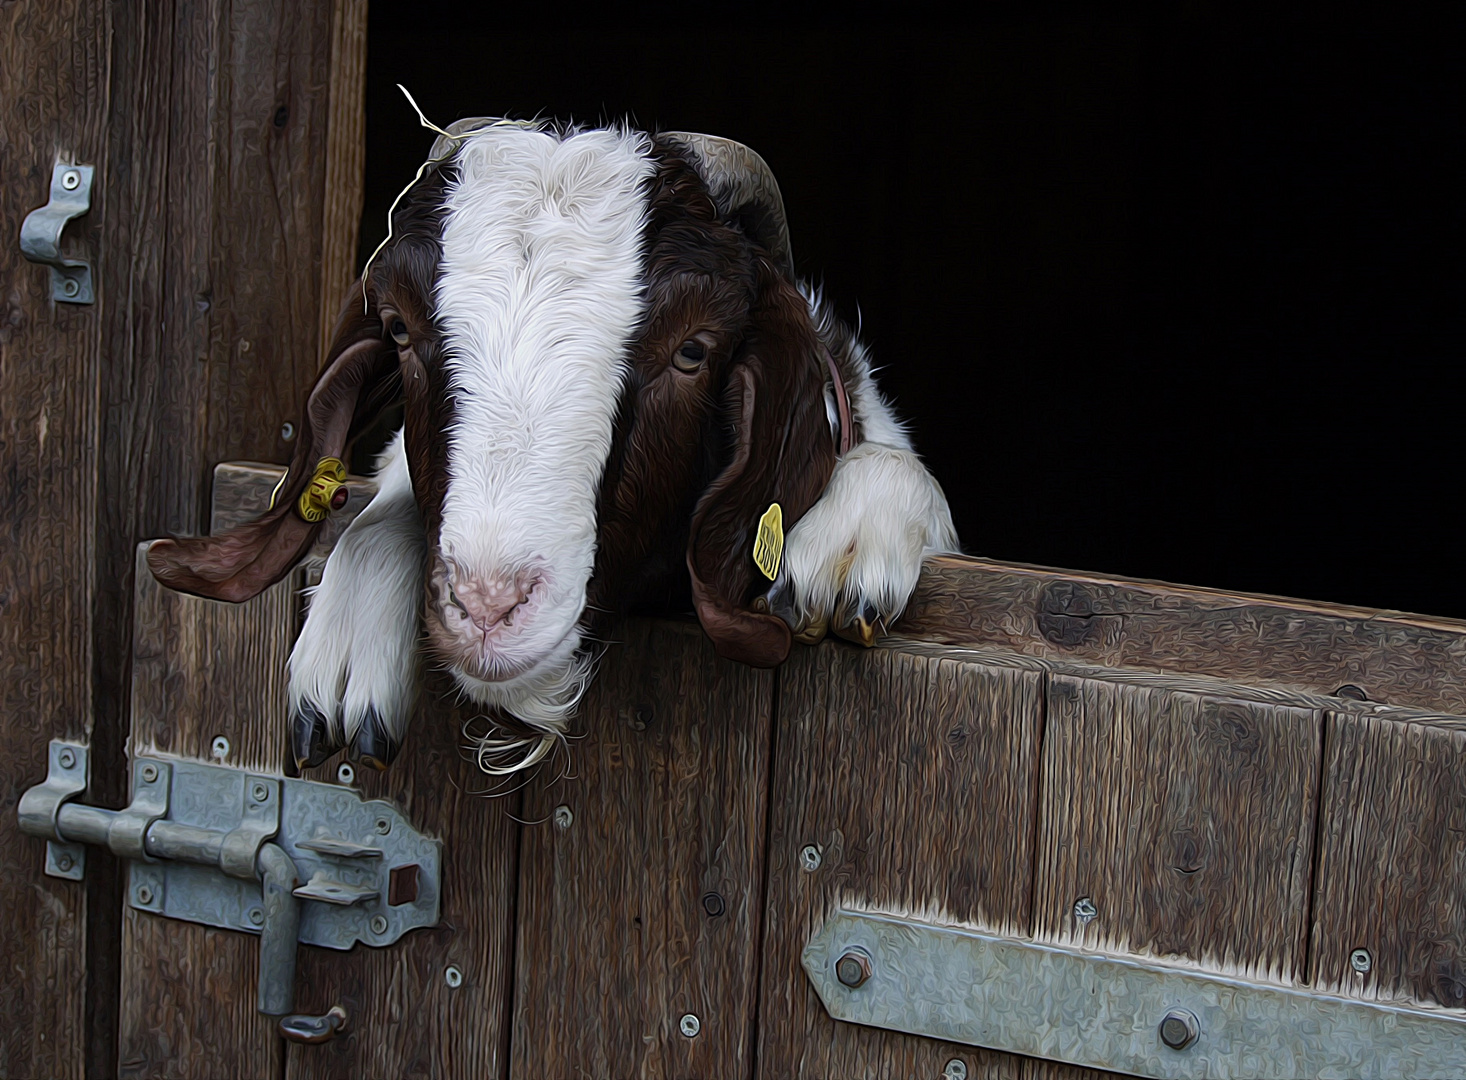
(542, 693)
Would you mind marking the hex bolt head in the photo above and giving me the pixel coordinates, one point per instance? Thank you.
(379, 924)
(259, 793)
(67, 758)
(853, 968)
(345, 774)
(809, 858)
(1361, 961)
(689, 1025)
(956, 1069)
(257, 916)
(71, 180)
(150, 772)
(1085, 910)
(1180, 1028)
(453, 977)
(144, 894)
(563, 817)
(219, 747)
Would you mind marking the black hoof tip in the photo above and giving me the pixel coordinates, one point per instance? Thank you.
(373, 747)
(310, 737)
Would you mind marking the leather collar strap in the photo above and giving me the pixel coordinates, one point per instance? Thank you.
(842, 406)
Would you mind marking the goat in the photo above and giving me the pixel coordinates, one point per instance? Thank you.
(616, 393)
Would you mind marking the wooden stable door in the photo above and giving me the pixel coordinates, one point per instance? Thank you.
(1197, 767)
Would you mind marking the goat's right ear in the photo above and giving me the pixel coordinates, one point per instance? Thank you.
(357, 381)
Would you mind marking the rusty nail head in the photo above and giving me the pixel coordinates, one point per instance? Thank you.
(1085, 910)
(1360, 960)
(809, 858)
(563, 817)
(1180, 1028)
(689, 1025)
(68, 758)
(956, 1070)
(453, 977)
(150, 773)
(853, 968)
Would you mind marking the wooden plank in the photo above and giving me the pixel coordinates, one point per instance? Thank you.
(406, 1020)
(913, 771)
(345, 159)
(667, 790)
(1152, 626)
(1391, 873)
(54, 64)
(202, 669)
(1185, 816)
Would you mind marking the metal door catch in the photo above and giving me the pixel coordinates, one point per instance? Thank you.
(40, 233)
(1115, 1013)
(289, 860)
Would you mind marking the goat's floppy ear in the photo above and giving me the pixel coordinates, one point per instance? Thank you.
(783, 454)
(355, 383)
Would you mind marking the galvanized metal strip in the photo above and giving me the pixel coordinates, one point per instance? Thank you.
(1106, 1012)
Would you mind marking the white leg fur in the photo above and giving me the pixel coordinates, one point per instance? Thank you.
(358, 648)
(866, 537)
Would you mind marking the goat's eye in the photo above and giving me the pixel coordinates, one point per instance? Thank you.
(690, 355)
(399, 332)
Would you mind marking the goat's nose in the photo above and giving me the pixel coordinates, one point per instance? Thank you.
(488, 601)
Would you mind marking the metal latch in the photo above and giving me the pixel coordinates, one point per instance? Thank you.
(1109, 1012)
(289, 860)
(40, 233)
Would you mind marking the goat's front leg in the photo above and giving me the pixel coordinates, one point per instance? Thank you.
(852, 561)
(353, 671)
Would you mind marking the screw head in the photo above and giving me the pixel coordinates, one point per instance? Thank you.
(1361, 961)
(219, 747)
(713, 904)
(259, 793)
(71, 180)
(257, 916)
(63, 862)
(1085, 910)
(345, 774)
(563, 817)
(70, 287)
(287, 431)
(453, 977)
(689, 1025)
(379, 924)
(956, 1069)
(144, 894)
(67, 758)
(150, 773)
(383, 826)
(853, 968)
(1180, 1028)
(809, 858)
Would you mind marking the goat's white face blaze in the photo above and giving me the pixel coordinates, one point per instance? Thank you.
(538, 296)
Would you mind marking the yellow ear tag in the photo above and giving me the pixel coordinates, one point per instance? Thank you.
(319, 497)
(768, 545)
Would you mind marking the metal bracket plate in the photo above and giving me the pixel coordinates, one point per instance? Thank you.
(66, 778)
(1106, 1012)
(322, 827)
(40, 233)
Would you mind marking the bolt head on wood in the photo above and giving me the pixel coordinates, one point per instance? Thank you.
(809, 858)
(689, 1025)
(1180, 1028)
(853, 969)
(1361, 961)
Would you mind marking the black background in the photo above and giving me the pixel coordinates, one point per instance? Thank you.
(1171, 295)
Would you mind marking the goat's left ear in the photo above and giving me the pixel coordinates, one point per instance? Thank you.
(784, 454)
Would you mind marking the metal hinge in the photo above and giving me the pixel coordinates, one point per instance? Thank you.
(1109, 1012)
(40, 233)
(289, 860)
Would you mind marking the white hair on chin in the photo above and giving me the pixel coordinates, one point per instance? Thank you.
(544, 698)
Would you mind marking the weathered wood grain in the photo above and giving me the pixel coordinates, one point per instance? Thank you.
(1392, 860)
(912, 770)
(202, 669)
(54, 64)
(1116, 622)
(406, 1021)
(345, 159)
(668, 791)
(242, 491)
(1187, 818)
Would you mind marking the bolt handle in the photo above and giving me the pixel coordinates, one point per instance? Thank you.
(312, 1030)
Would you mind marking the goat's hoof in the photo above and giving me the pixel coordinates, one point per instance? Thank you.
(372, 746)
(858, 625)
(310, 737)
(812, 630)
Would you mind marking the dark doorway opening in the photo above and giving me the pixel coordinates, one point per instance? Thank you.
(1171, 295)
